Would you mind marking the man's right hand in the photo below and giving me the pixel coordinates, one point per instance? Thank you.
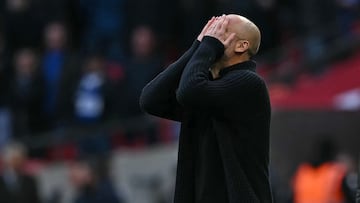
(218, 31)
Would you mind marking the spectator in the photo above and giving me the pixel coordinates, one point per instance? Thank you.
(15, 185)
(5, 116)
(92, 104)
(92, 94)
(104, 26)
(26, 94)
(92, 186)
(171, 18)
(144, 64)
(59, 70)
(350, 179)
(316, 21)
(322, 179)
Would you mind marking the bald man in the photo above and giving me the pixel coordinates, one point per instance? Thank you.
(224, 110)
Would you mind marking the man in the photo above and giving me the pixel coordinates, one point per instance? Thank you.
(225, 115)
(92, 183)
(15, 185)
(325, 177)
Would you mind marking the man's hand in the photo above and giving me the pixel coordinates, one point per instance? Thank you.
(217, 30)
(205, 29)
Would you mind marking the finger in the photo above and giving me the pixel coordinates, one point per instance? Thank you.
(206, 28)
(212, 19)
(213, 29)
(221, 21)
(224, 25)
(213, 22)
(222, 18)
(209, 23)
(217, 23)
(229, 39)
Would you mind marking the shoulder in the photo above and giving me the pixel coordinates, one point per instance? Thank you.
(247, 77)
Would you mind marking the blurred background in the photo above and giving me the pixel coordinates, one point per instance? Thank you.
(71, 72)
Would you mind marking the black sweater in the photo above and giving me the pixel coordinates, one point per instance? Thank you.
(224, 140)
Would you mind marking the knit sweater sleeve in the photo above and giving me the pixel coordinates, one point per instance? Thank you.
(158, 96)
(198, 90)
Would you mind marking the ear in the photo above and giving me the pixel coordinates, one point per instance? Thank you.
(242, 46)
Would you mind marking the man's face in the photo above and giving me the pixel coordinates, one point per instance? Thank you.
(55, 36)
(230, 50)
(25, 62)
(80, 175)
(241, 43)
(14, 160)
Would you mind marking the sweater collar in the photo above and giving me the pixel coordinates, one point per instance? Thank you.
(246, 65)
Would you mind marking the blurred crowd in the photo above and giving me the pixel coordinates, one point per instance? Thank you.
(65, 63)
(79, 63)
(89, 178)
(82, 63)
(328, 175)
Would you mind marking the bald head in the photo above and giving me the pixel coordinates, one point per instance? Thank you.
(245, 30)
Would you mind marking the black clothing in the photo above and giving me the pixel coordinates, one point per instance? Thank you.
(26, 96)
(224, 142)
(138, 73)
(4, 87)
(103, 192)
(347, 188)
(357, 198)
(25, 190)
(209, 170)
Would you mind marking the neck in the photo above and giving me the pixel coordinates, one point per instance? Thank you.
(235, 60)
(215, 70)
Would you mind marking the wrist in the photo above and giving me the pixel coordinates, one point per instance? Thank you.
(216, 44)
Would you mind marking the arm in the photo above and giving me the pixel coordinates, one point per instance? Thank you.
(158, 96)
(198, 90)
